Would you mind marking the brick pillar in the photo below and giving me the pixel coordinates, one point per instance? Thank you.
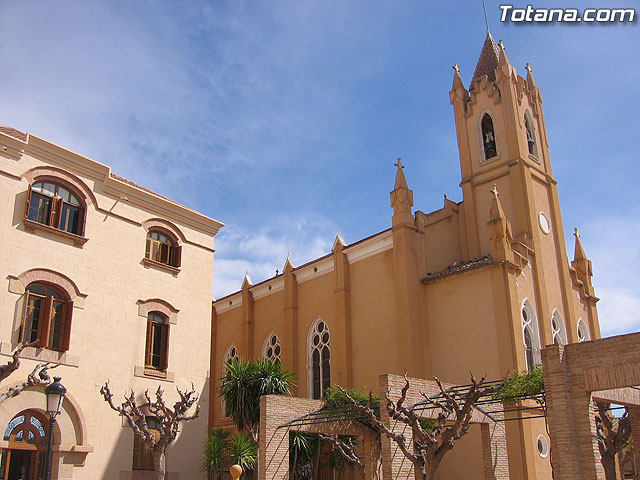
(494, 449)
(574, 446)
(273, 450)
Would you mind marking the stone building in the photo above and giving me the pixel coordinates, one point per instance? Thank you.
(110, 281)
(479, 285)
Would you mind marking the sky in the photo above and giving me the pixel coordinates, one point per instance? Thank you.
(283, 118)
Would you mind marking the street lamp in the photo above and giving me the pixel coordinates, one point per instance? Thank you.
(55, 393)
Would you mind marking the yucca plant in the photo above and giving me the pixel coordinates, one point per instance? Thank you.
(244, 451)
(245, 382)
(218, 442)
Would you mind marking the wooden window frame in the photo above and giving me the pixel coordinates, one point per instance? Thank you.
(46, 316)
(163, 255)
(153, 324)
(56, 206)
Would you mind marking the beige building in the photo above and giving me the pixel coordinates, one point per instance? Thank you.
(478, 285)
(111, 281)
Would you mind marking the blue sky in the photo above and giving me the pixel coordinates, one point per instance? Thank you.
(283, 119)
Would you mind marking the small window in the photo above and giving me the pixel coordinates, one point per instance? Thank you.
(543, 446)
(271, 349)
(530, 335)
(54, 205)
(488, 137)
(319, 358)
(583, 331)
(531, 135)
(557, 329)
(157, 346)
(47, 318)
(161, 248)
(230, 356)
(142, 454)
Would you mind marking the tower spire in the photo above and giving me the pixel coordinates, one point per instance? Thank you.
(401, 198)
(488, 61)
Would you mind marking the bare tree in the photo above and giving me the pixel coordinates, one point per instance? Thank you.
(613, 435)
(38, 376)
(429, 444)
(168, 420)
(344, 445)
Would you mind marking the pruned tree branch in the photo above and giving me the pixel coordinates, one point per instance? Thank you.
(345, 447)
(38, 376)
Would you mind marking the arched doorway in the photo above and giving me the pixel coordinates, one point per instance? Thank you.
(24, 457)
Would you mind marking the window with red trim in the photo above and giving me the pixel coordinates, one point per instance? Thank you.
(54, 205)
(47, 317)
(161, 248)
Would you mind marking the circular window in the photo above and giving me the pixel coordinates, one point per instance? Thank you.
(545, 225)
(543, 446)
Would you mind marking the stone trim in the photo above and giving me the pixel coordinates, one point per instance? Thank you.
(58, 174)
(158, 223)
(48, 276)
(144, 372)
(158, 305)
(42, 355)
(31, 226)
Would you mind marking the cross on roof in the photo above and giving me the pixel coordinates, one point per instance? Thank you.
(528, 67)
(494, 190)
(575, 233)
(456, 68)
(399, 163)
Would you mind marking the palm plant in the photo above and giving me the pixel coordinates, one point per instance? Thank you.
(245, 382)
(302, 449)
(244, 451)
(218, 442)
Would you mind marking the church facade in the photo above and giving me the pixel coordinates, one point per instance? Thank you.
(480, 285)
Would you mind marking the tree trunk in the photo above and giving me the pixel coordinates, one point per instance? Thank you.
(159, 464)
(609, 465)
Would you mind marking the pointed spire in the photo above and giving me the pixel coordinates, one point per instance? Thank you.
(457, 80)
(499, 229)
(579, 253)
(488, 61)
(531, 83)
(246, 282)
(502, 55)
(401, 181)
(401, 198)
(338, 243)
(288, 264)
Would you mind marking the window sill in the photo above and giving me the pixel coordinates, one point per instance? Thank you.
(146, 372)
(42, 355)
(31, 226)
(160, 266)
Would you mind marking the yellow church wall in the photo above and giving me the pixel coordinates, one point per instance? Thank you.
(442, 237)
(376, 339)
(460, 337)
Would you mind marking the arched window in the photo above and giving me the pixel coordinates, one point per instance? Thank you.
(54, 205)
(583, 331)
(162, 248)
(488, 137)
(156, 354)
(271, 348)
(557, 329)
(47, 317)
(142, 454)
(231, 355)
(26, 435)
(530, 335)
(319, 359)
(531, 134)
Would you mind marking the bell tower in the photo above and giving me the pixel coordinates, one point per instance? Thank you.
(503, 140)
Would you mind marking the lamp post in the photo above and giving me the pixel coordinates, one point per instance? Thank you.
(55, 393)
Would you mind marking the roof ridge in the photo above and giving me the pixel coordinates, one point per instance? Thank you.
(12, 132)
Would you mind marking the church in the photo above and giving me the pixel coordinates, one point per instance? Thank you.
(480, 285)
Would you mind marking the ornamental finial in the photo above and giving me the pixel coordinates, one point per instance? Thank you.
(576, 233)
(456, 68)
(494, 190)
(399, 163)
(528, 67)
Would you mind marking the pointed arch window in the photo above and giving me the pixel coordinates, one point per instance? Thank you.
(271, 349)
(583, 331)
(530, 335)
(558, 331)
(319, 358)
(231, 355)
(531, 134)
(488, 137)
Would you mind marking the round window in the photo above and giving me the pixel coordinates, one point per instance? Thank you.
(545, 225)
(543, 446)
